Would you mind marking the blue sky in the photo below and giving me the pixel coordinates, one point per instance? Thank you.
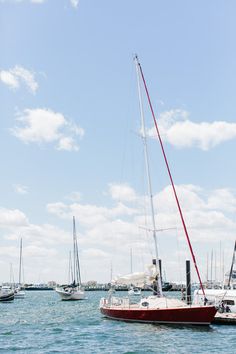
(70, 133)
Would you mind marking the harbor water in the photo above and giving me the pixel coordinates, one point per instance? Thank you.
(42, 323)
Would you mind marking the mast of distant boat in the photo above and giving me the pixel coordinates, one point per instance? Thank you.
(232, 265)
(20, 265)
(144, 139)
(77, 276)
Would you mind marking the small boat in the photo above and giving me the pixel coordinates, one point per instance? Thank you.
(157, 308)
(74, 291)
(70, 293)
(6, 294)
(223, 299)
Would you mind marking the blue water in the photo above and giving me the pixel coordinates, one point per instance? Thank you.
(42, 323)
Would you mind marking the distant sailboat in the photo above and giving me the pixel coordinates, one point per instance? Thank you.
(19, 292)
(73, 291)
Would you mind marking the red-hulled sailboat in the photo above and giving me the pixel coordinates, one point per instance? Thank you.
(157, 308)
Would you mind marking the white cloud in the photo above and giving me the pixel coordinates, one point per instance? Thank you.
(89, 214)
(95, 253)
(45, 126)
(16, 76)
(116, 229)
(68, 144)
(74, 3)
(12, 218)
(122, 192)
(107, 233)
(178, 130)
(20, 189)
(222, 199)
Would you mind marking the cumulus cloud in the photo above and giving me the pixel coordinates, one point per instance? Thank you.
(176, 128)
(12, 218)
(87, 214)
(209, 216)
(18, 75)
(45, 126)
(122, 192)
(108, 232)
(202, 209)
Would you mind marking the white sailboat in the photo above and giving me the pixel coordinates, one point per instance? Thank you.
(74, 291)
(19, 291)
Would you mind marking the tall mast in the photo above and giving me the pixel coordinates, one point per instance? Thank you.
(20, 265)
(144, 139)
(169, 173)
(70, 273)
(211, 266)
(207, 270)
(77, 276)
(232, 265)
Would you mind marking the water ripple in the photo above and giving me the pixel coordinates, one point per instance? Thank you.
(42, 324)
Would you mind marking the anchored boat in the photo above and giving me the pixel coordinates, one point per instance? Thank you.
(157, 308)
(74, 291)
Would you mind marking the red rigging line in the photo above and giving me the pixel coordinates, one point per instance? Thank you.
(169, 173)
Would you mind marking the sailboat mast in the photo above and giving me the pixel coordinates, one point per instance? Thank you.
(20, 265)
(170, 175)
(74, 251)
(232, 265)
(144, 139)
(77, 276)
(70, 273)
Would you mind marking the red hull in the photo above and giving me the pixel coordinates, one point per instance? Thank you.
(187, 315)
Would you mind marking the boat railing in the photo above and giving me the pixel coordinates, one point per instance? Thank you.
(120, 301)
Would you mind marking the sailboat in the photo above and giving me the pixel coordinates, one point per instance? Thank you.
(74, 291)
(156, 308)
(19, 292)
